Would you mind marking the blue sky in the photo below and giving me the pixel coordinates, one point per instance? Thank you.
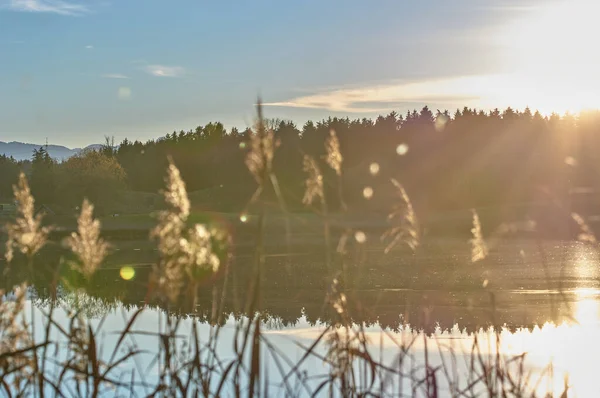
(76, 71)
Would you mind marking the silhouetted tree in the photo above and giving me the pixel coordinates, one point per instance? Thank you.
(42, 176)
(9, 172)
(498, 160)
(92, 175)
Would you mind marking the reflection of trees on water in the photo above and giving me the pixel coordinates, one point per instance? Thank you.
(437, 290)
(274, 322)
(79, 301)
(390, 310)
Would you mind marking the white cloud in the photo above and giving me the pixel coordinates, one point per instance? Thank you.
(124, 93)
(375, 98)
(115, 76)
(50, 6)
(89, 46)
(165, 71)
(517, 90)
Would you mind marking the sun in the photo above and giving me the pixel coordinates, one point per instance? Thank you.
(550, 51)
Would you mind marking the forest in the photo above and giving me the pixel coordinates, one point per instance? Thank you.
(513, 161)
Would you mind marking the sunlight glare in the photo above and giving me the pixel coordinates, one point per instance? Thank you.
(550, 50)
(587, 309)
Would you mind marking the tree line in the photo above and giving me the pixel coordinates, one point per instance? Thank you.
(446, 161)
(63, 185)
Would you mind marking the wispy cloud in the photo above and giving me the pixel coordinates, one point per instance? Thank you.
(381, 97)
(49, 6)
(165, 71)
(517, 90)
(115, 76)
(89, 47)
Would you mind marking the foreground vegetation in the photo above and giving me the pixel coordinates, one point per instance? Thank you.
(194, 259)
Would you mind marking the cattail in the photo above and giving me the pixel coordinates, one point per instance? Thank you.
(184, 252)
(339, 305)
(586, 234)
(314, 181)
(406, 228)
(261, 149)
(87, 244)
(334, 155)
(198, 250)
(341, 347)
(82, 347)
(343, 242)
(15, 336)
(26, 234)
(169, 233)
(337, 299)
(479, 249)
(341, 342)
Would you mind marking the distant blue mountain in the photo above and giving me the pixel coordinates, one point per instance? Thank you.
(23, 151)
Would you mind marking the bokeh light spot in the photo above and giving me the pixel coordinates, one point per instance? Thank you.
(360, 236)
(127, 273)
(440, 122)
(368, 192)
(243, 217)
(374, 169)
(124, 93)
(402, 149)
(571, 161)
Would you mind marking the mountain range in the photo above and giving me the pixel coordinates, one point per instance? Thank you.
(24, 151)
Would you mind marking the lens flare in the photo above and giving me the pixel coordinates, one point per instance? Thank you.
(127, 273)
(360, 236)
(570, 161)
(374, 169)
(440, 122)
(402, 149)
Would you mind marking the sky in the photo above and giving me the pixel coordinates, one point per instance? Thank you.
(76, 71)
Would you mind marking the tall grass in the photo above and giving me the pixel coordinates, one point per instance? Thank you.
(68, 359)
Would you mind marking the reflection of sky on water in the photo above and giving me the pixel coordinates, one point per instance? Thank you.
(570, 345)
(571, 348)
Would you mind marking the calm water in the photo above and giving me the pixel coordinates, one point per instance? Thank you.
(545, 298)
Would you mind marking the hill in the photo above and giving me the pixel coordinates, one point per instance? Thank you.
(23, 151)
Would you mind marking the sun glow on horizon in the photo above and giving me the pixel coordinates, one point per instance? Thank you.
(551, 52)
(549, 64)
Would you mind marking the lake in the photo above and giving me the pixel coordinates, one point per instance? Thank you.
(542, 297)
